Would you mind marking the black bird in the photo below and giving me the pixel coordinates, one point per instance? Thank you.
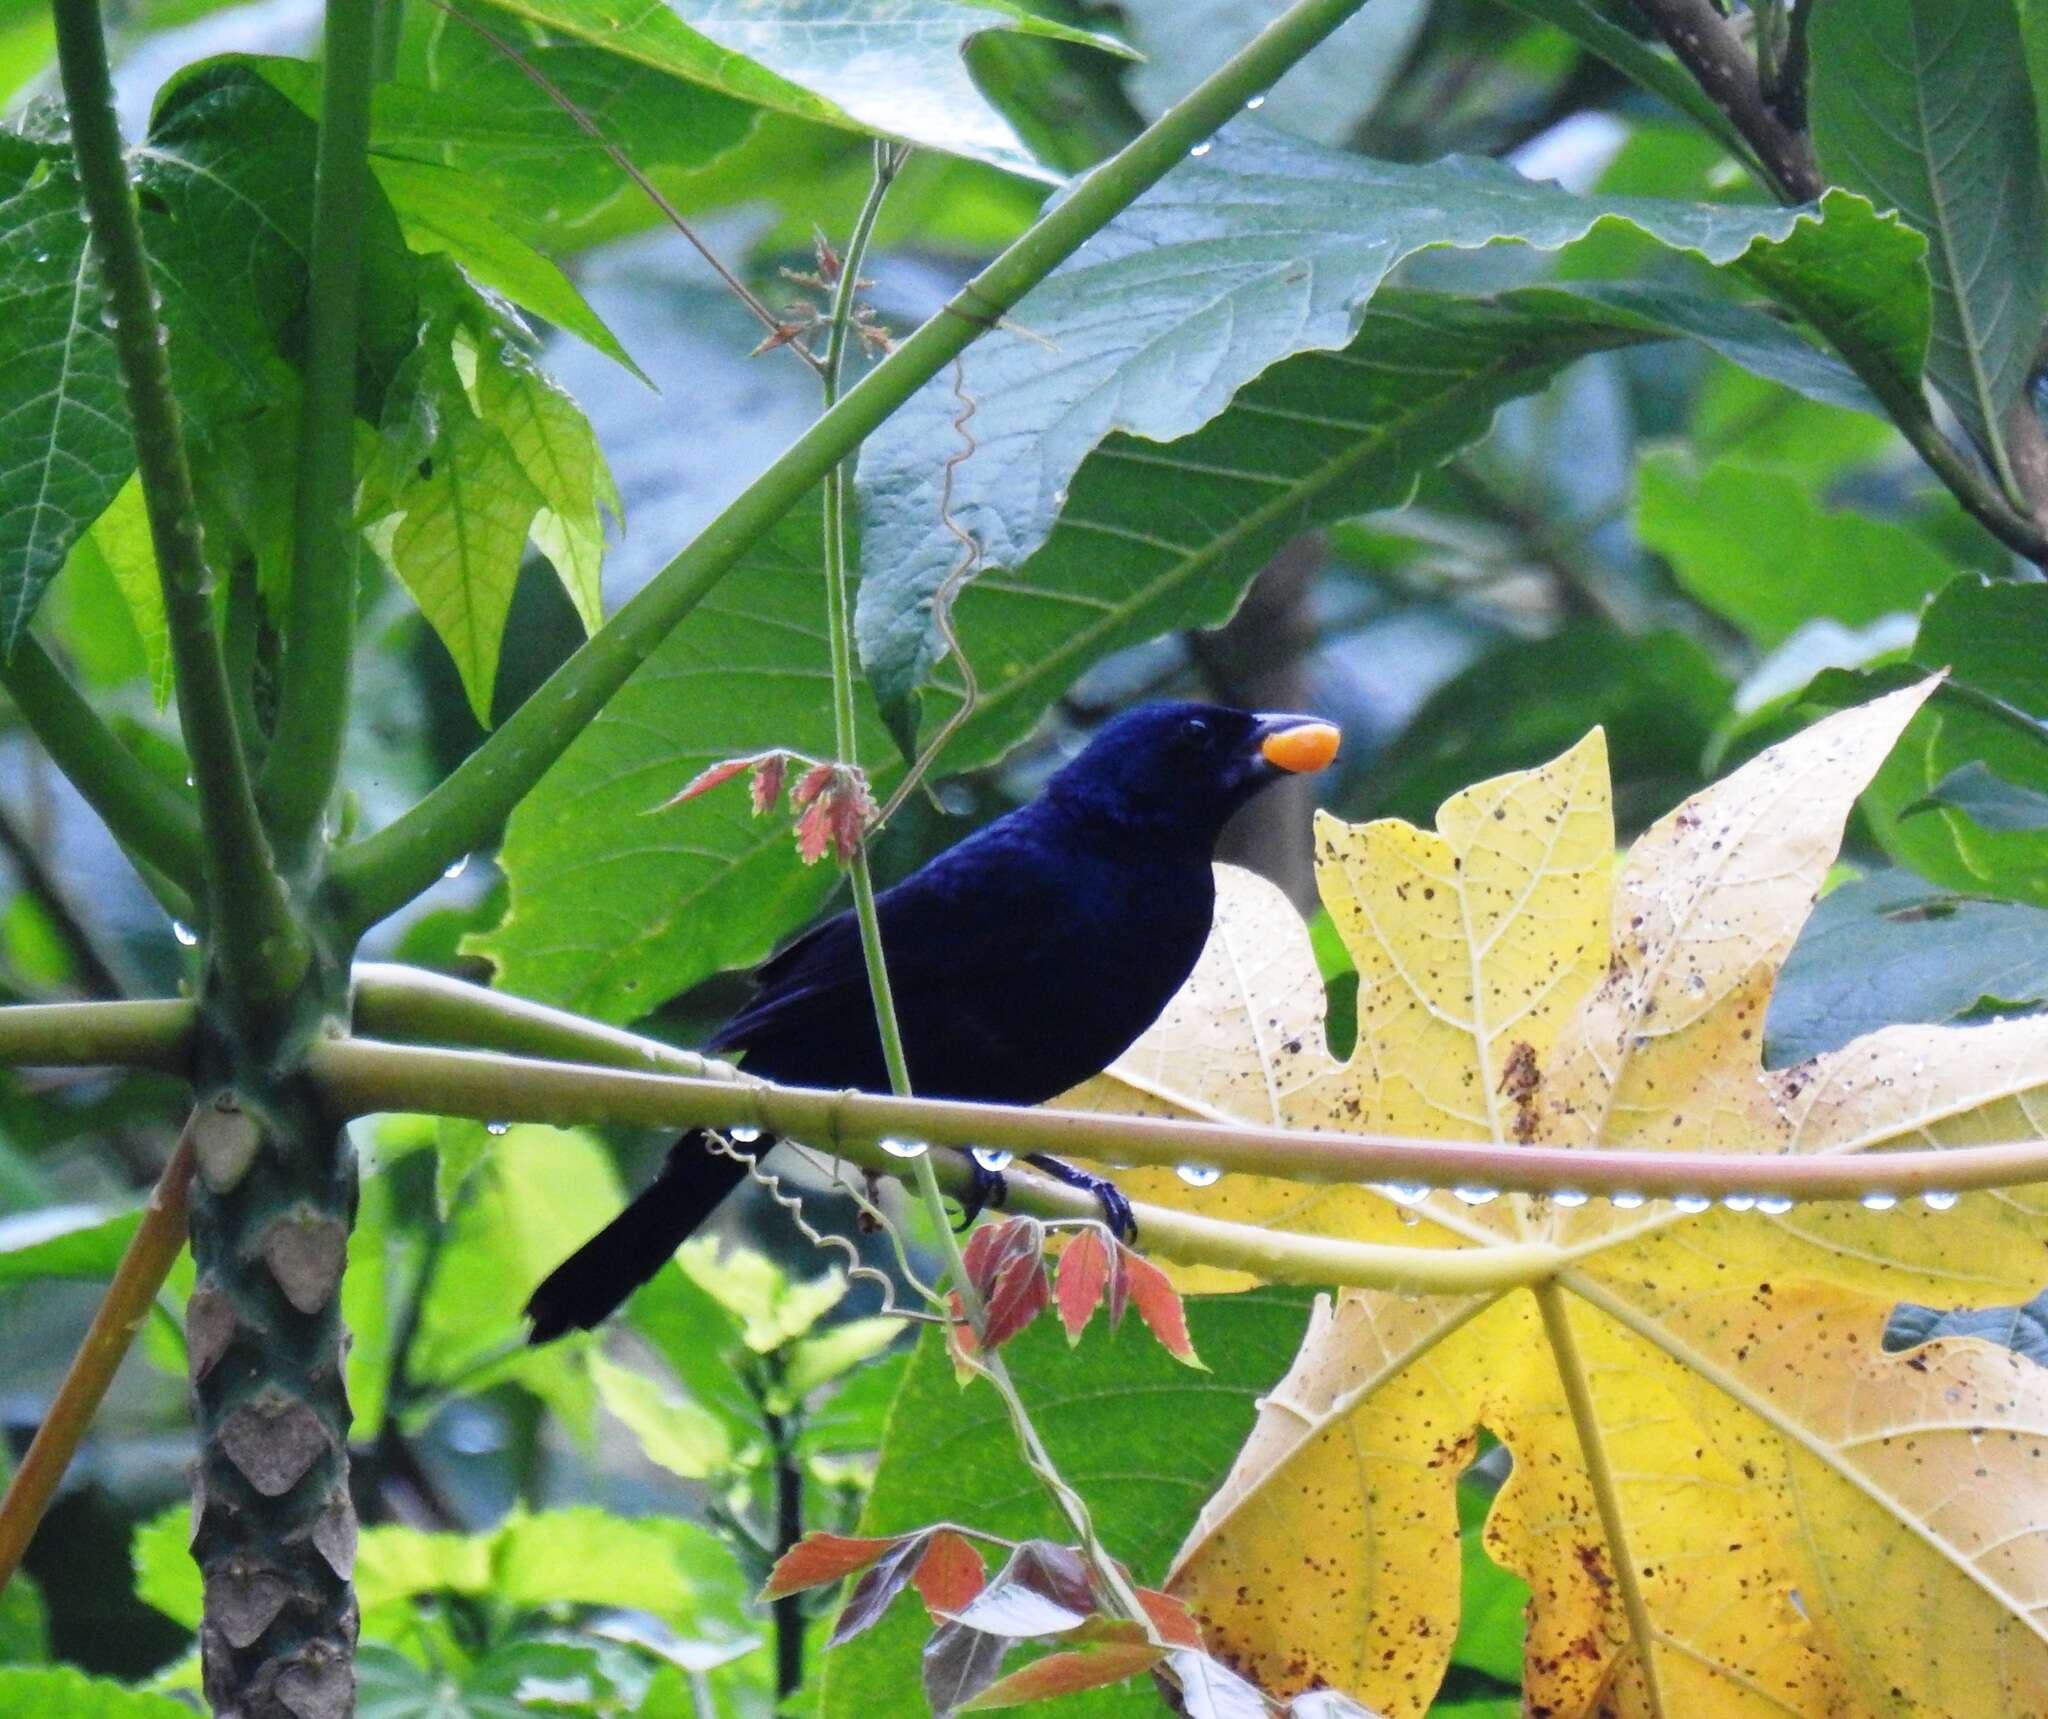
(1023, 961)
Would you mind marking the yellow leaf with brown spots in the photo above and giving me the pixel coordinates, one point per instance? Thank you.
(1727, 1499)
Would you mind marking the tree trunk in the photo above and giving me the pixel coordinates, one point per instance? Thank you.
(273, 1528)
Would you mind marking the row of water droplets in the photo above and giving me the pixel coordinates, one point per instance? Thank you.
(1208, 143)
(1412, 1194)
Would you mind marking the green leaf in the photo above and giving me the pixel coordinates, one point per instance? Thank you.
(612, 910)
(1144, 1440)
(366, 1309)
(24, 1622)
(63, 1241)
(120, 537)
(456, 542)
(773, 1308)
(557, 449)
(165, 1575)
(1988, 635)
(681, 1436)
(815, 1361)
(464, 105)
(460, 1144)
(1263, 248)
(892, 67)
(1986, 799)
(538, 1195)
(1925, 107)
(67, 450)
(444, 210)
(390, 1686)
(1892, 948)
(1759, 550)
(60, 1692)
(1322, 97)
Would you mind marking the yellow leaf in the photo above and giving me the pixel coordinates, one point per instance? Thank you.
(1726, 1498)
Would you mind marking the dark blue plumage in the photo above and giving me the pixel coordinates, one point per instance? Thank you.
(1022, 961)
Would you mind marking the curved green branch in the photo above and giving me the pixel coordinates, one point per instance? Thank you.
(258, 944)
(145, 813)
(155, 1035)
(361, 1076)
(382, 873)
(305, 751)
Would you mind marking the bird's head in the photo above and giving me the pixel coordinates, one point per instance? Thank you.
(1180, 770)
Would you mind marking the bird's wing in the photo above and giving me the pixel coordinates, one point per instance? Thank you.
(951, 916)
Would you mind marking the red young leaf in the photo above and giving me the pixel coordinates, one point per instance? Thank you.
(1171, 1618)
(849, 809)
(887, 1577)
(1043, 1590)
(819, 1558)
(1084, 1274)
(1008, 1271)
(813, 832)
(810, 785)
(705, 780)
(769, 774)
(1159, 1305)
(959, 1663)
(950, 1573)
(1066, 1674)
(1119, 1286)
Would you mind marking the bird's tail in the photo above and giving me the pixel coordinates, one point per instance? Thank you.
(586, 1287)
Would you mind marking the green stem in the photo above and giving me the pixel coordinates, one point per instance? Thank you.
(362, 1076)
(382, 873)
(305, 755)
(414, 1005)
(144, 812)
(156, 1035)
(925, 1175)
(259, 946)
(358, 1077)
(1600, 1476)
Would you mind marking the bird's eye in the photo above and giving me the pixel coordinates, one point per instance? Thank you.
(1194, 733)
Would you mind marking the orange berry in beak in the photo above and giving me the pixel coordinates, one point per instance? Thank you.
(1306, 747)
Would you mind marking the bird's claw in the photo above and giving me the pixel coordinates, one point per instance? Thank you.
(989, 1190)
(1116, 1209)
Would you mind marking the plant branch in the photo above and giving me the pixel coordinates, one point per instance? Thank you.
(1605, 1484)
(363, 1076)
(380, 874)
(144, 812)
(412, 1004)
(259, 946)
(155, 1035)
(1709, 48)
(839, 616)
(305, 752)
(359, 1077)
(151, 1252)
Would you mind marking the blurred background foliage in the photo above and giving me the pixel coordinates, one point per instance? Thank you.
(1688, 552)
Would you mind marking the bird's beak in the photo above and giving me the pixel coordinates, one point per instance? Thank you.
(1297, 744)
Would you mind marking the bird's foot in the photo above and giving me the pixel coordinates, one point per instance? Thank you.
(1116, 1210)
(989, 1189)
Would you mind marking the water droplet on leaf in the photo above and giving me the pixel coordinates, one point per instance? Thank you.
(457, 868)
(1939, 1200)
(1568, 1197)
(184, 933)
(1691, 1202)
(1878, 1200)
(905, 1148)
(497, 1128)
(744, 1134)
(1474, 1195)
(1405, 1193)
(1200, 149)
(1199, 1175)
(992, 1160)
(1625, 1200)
(1774, 1205)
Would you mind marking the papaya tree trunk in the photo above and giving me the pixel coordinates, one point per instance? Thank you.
(273, 1527)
